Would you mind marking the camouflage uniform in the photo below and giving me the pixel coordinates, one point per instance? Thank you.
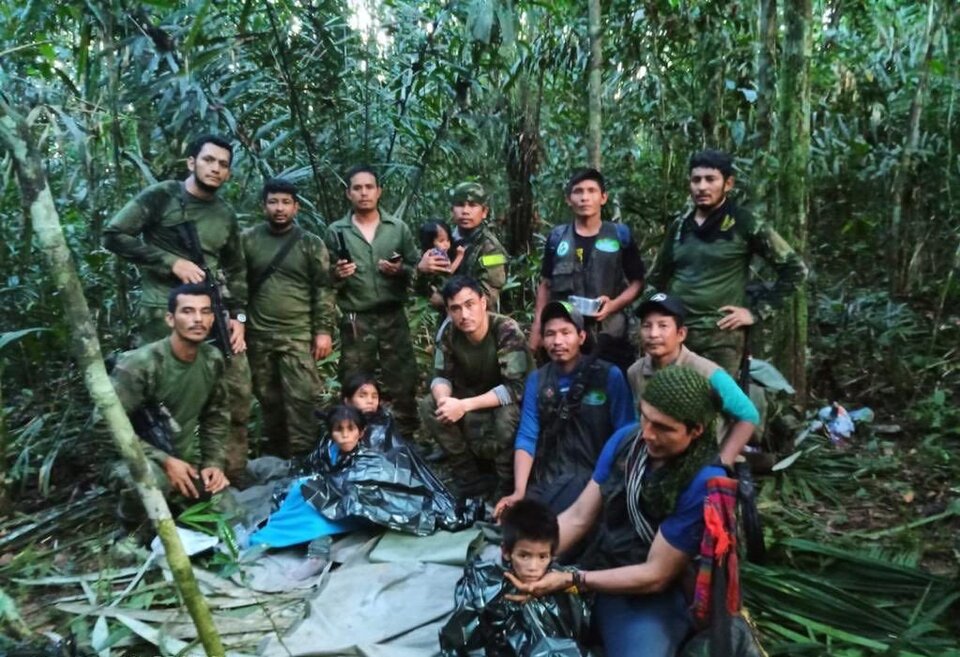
(196, 396)
(374, 333)
(155, 214)
(484, 258)
(500, 363)
(286, 311)
(708, 266)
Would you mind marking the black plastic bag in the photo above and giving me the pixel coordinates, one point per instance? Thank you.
(485, 623)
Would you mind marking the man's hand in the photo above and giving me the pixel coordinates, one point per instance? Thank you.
(432, 263)
(505, 503)
(606, 308)
(186, 271)
(736, 317)
(345, 269)
(181, 475)
(450, 410)
(214, 480)
(388, 268)
(322, 346)
(551, 582)
(238, 342)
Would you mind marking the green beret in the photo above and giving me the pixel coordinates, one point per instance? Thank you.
(683, 394)
(468, 191)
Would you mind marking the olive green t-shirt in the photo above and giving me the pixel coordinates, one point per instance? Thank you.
(194, 393)
(296, 302)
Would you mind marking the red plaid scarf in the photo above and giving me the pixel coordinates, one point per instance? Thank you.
(718, 549)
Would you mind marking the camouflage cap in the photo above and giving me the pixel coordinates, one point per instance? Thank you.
(468, 191)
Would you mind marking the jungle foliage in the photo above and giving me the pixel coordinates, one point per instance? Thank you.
(432, 91)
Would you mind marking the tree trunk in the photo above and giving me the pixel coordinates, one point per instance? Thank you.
(766, 101)
(594, 85)
(523, 161)
(899, 244)
(794, 152)
(15, 138)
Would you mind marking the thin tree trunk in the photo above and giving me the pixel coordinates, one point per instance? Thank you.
(897, 249)
(15, 138)
(594, 86)
(523, 162)
(766, 101)
(794, 152)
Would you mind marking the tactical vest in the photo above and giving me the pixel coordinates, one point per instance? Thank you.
(573, 427)
(615, 542)
(603, 274)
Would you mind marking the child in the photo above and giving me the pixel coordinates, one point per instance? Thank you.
(487, 618)
(362, 392)
(435, 237)
(297, 521)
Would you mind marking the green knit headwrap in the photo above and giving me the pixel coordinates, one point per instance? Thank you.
(683, 394)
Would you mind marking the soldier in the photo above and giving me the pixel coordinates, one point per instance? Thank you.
(291, 320)
(705, 261)
(481, 360)
(595, 259)
(571, 406)
(484, 258)
(155, 231)
(662, 333)
(183, 375)
(376, 258)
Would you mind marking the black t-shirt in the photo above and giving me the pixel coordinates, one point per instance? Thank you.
(633, 268)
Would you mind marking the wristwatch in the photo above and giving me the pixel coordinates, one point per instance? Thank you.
(241, 317)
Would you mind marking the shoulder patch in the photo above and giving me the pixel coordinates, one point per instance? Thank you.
(563, 248)
(493, 259)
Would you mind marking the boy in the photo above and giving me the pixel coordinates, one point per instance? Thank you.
(490, 617)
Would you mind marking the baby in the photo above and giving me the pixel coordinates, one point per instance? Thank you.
(435, 238)
(488, 615)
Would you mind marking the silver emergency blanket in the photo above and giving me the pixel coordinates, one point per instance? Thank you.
(486, 624)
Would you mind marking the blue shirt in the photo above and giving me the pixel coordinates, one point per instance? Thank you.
(682, 529)
(622, 410)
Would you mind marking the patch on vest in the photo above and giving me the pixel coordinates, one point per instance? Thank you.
(563, 249)
(608, 245)
(728, 223)
(595, 398)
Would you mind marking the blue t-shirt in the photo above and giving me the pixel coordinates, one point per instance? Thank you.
(622, 410)
(682, 529)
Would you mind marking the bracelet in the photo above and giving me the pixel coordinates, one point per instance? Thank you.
(583, 580)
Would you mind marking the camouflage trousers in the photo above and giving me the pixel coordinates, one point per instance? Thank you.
(378, 343)
(479, 438)
(288, 386)
(725, 348)
(153, 327)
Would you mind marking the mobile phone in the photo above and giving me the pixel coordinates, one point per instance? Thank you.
(396, 257)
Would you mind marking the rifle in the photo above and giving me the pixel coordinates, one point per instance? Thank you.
(220, 334)
(747, 491)
(154, 424)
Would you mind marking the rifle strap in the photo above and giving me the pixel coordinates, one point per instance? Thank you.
(278, 259)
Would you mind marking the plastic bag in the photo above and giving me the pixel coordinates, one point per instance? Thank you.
(485, 623)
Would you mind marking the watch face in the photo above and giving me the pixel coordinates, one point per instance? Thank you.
(242, 318)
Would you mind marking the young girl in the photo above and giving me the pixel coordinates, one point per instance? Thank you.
(296, 521)
(362, 392)
(435, 236)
